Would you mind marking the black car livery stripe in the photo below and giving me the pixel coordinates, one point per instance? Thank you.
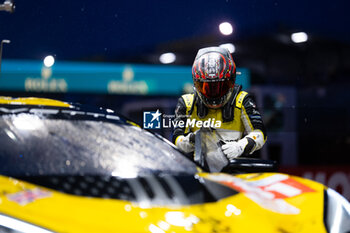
(158, 190)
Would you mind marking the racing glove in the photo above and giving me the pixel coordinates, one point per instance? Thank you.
(234, 149)
(185, 143)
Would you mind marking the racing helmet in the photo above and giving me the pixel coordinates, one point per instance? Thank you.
(214, 75)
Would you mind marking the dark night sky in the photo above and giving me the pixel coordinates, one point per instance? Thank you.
(76, 29)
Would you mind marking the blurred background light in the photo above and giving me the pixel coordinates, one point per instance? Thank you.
(49, 61)
(231, 47)
(167, 58)
(6, 41)
(226, 28)
(299, 37)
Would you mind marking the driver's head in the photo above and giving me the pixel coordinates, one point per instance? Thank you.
(214, 74)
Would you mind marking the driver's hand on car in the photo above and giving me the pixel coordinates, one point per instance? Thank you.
(234, 149)
(186, 143)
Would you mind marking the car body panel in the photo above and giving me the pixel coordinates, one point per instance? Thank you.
(62, 212)
(255, 202)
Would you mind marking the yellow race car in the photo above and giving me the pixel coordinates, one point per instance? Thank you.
(68, 168)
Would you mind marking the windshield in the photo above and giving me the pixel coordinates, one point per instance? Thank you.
(31, 145)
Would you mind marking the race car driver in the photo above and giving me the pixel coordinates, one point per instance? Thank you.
(218, 98)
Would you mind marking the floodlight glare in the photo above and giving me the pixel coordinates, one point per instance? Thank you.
(299, 37)
(226, 28)
(49, 61)
(167, 58)
(229, 46)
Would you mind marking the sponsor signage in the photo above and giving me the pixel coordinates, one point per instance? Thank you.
(270, 192)
(112, 78)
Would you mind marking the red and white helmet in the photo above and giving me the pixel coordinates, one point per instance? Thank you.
(214, 75)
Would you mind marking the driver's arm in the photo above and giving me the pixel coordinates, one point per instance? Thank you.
(184, 141)
(253, 124)
(254, 128)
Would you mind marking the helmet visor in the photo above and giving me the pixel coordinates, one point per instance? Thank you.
(214, 90)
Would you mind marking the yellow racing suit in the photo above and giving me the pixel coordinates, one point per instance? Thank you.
(237, 119)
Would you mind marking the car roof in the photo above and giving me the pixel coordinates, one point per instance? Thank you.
(88, 111)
